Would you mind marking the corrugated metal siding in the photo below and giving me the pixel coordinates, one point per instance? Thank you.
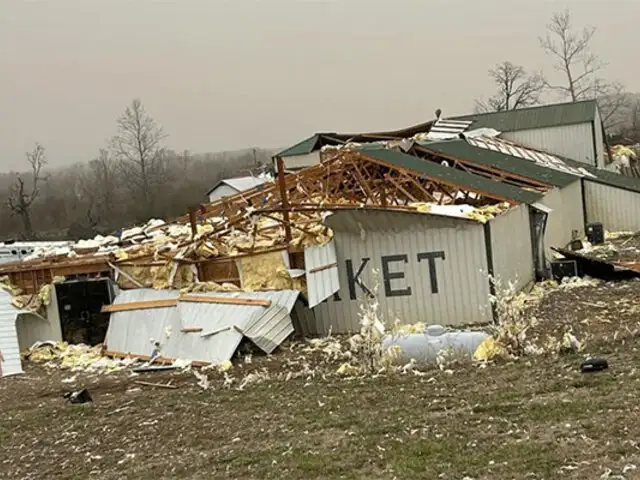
(567, 216)
(9, 345)
(135, 331)
(511, 247)
(462, 296)
(571, 141)
(324, 283)
(617, 209)
(221, 191)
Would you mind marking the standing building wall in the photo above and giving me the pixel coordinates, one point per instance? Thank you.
(572, 141)
(616, 208)
(296, 162)
(598, 134)
(511, 248)
(567, 216)
(431, 269)
(10, 363)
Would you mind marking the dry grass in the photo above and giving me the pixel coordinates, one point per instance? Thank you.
(532, 418)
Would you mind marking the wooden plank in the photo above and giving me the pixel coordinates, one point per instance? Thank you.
(257, 302)
(125, 307)
(146, 358)
(323, 267)
(191, 329)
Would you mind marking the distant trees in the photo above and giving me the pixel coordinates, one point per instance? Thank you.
(578, 76)
(25, 190)
(130, 180)
(570, 51)
(515, 88)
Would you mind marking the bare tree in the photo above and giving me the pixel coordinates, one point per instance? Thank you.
(138, 148)
(103, 181)
(516, 88)
(573, 58)
(22, 195)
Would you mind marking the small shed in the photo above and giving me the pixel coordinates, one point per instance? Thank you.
(573, 130)
(231, 186)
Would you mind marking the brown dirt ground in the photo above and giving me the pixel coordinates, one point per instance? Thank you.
(533, 418)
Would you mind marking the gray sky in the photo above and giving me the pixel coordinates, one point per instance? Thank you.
(231, 74)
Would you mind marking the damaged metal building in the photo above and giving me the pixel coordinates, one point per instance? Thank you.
(418, 219)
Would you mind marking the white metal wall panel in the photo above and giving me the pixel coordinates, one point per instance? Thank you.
(571, 141)
(462, 290)
(10, 363)
(567, 216)
(33, 328)
(301, 161)
(617, 209)
(511, 247)
(220, 191)
(324, 282)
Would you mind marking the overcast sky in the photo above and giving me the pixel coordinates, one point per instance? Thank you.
(223, 75)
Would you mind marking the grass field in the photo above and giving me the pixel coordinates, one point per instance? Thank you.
(532, 418)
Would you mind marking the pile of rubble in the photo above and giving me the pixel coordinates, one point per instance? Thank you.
(75, 358)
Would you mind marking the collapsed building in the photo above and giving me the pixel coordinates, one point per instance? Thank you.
(418, 218)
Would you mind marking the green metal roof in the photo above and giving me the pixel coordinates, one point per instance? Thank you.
(606, 177)
(307, 145)
(460, 149)
(453, 176)
(535, 117)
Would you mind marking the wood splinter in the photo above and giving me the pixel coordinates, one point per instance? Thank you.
(160, 385)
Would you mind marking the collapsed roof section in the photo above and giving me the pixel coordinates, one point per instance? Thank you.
(319, 140)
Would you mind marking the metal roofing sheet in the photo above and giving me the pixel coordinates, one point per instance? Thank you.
(301, 148)
(478, 153)
(223, 325)
(606, 177)
(447, 128)
(322, 272)
(541, 116)
(456, 177)
(10, 363)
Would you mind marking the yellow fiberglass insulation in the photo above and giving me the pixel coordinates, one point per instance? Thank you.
(265, 271)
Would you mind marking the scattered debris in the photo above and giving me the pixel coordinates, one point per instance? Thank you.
(78, 397)
(594, 365)
(74, 357)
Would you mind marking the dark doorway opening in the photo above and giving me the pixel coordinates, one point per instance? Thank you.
(79, 304)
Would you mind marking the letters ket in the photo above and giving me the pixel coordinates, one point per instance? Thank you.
(354, 275)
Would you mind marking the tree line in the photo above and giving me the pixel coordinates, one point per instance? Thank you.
(132, 179)
(577, 75)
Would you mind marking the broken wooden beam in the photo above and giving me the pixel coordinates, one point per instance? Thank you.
(256, 302)
(191, 329)
(144, 305)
